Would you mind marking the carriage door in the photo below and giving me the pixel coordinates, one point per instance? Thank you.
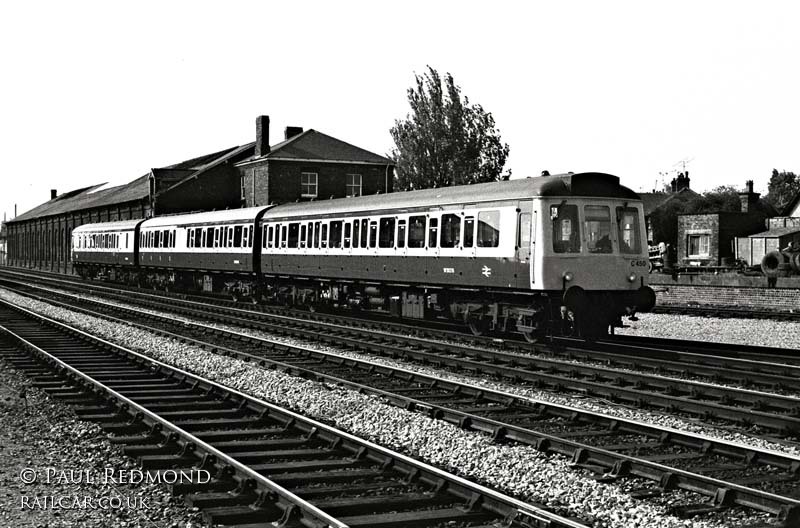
(525, 246)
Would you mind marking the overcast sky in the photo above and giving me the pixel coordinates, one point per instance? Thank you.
(95, 91)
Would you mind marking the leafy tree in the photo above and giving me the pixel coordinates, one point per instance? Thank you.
(783, 187)
(445, 140)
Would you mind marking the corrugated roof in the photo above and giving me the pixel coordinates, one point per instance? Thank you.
(86, 199)
(776, 233)
(313, 145)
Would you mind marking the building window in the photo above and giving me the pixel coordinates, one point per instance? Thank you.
(698, 245)
(353, 185)
(244, 187)
(308, 184)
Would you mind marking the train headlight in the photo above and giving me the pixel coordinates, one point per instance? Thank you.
(632, 277)
(567, 276)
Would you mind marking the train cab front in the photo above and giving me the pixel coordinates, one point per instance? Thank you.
(595, 255)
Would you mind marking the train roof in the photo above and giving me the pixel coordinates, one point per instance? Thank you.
(589, 184)
(105, 227)
(247, 214)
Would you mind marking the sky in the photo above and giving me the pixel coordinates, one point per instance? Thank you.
(96, 92)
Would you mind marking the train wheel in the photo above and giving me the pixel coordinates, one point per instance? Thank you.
(533, 336)
(478, 326)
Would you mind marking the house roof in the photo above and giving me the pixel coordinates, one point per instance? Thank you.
(791, 206)
(654, 200)
(776, 232)
(316, 146)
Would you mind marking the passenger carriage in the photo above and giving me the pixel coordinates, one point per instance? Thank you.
(107, 249)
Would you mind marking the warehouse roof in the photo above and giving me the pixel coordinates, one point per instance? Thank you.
(316, 146)
(98, 196)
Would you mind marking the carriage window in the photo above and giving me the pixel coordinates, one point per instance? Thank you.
(190, 238)
(324, 236)
(386, 238)
(469, 231)
(230, 236)
(302, 235)
(172, 237)
(250, 230)
(364, 233)
(524, 235)
(217, 234)
(336, 234)
(284, 232)
(416, 232)
(356, 232)
(198, 237)
(489, 229)
(310, 235)
(237, 236)
(628, 225)
(451, 231)
(401, 233)
(294, 235)
(566, 235)
(373, 234)
(597, 226)
(317, 230)
(348, 233)
(433, 231)
(268, 234)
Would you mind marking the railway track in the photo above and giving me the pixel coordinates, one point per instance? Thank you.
(725, 312)
(722, 474)
(270, 465)
(744, 407)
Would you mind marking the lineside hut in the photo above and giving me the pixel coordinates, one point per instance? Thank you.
(305, 166)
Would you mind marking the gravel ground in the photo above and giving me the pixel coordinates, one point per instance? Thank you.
(518, 470)
(721, 430)
(757, 332)
(70, 444)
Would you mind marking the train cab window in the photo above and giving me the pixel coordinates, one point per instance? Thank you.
(303, 234)
(237, 236)
(597, 228)
(323, 242)
(469, 231)
(373, 234)
(524, 234)
(386, 232)
(364, 233)
(294, 235)
(348, 234)
(451, 231)
(317, 229)
(416, 232)
(336, 234)
(628, 227)
(433, 232)
(401, 233)
(566, 232)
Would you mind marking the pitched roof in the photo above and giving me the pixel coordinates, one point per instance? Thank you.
(654, 200)
(776, 232)
(313, 145)
(787, 211)
(139, 189)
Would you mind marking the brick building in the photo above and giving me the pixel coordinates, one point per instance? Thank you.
(306, 165)
(309, 165)
(709, 239)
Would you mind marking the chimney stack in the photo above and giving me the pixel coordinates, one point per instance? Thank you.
(748, 198)
(53, 194)
(292, 131)
(262, 135)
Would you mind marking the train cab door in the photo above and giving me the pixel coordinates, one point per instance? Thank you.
(526, 245)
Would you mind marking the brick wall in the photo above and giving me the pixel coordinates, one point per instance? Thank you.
(778, 299)
(705, 224)
(284, 180)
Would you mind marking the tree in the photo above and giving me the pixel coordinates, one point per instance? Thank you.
(445, 140)
(783, 187)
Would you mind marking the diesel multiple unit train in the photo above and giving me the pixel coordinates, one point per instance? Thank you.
(565, 254)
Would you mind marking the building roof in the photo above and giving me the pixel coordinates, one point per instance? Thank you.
(777, 232)
(654, 200)
(98, 196)
(793, 206)
(316, 146)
